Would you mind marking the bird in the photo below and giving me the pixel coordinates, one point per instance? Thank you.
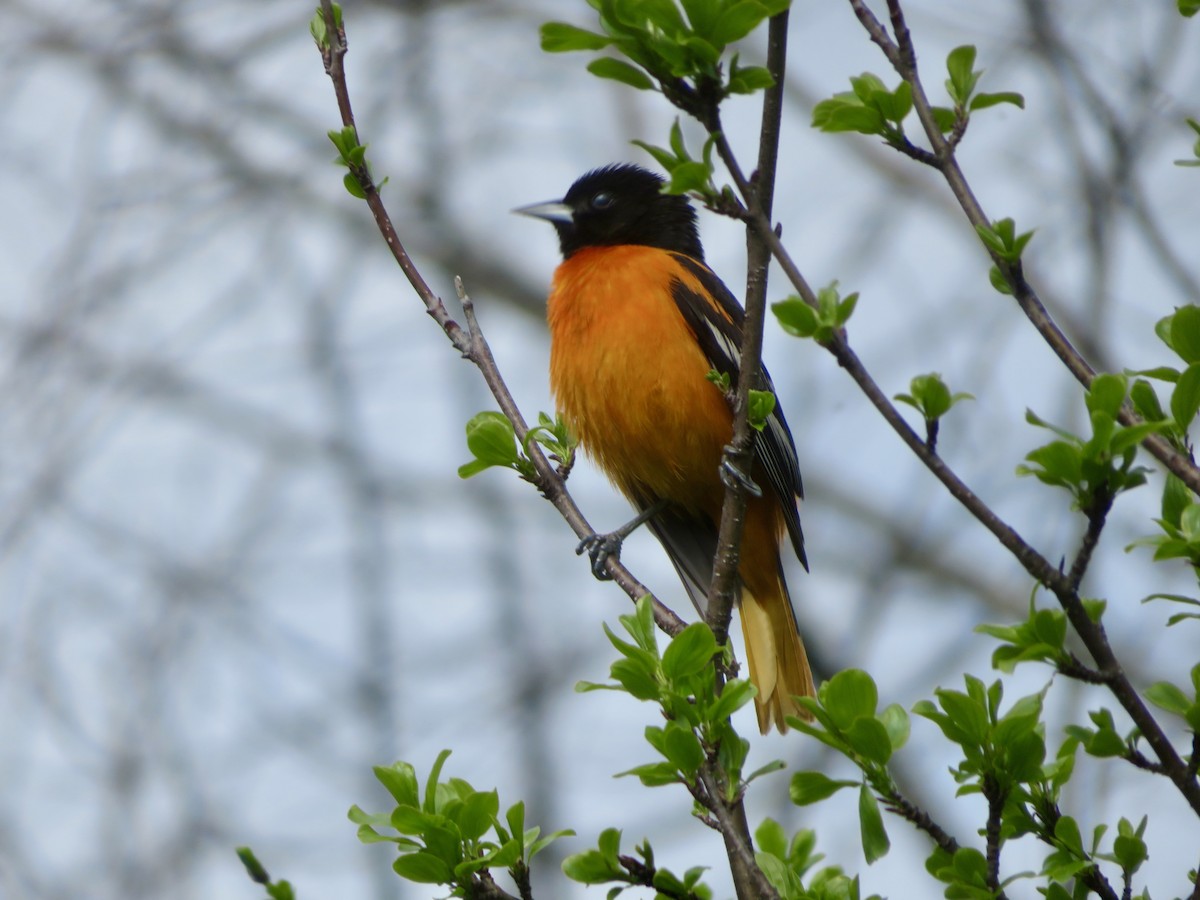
(638, 324)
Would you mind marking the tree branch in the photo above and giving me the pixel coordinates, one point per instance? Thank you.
(472, 345)
(902, 55)
(740, 452)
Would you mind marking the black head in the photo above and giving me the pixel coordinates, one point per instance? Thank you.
(621, 204)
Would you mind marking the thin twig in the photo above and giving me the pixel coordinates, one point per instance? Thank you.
(897, 803)
(1091, 537)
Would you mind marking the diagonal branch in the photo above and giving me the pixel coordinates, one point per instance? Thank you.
(471, 344)
(902, 55)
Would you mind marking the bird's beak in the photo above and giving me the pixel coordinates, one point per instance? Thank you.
(551, 211)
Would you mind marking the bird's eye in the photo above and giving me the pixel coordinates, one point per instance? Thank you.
(602, 200)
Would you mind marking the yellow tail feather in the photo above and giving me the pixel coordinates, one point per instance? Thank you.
(776, 659)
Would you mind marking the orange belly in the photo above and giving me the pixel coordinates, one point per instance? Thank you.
(629, 377)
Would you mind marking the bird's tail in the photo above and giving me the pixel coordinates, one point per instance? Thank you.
(775, 656)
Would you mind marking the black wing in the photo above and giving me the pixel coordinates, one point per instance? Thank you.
(716, 320)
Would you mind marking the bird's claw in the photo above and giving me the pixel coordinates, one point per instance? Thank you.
(599, 548)
(732, 476)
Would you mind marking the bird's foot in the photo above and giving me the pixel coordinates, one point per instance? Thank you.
(600, 548)
(733, 476)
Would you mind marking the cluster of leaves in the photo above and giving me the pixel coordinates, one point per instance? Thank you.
(1003, 242)
(683, 681)
(670, 46)
(697, 738)
(605, 864)
(929, 395)
(492, 440)
(319, 29)
(686, 174)
(787, 862)
(1180, 519)
(821, 322)
(846, 717)
(870, 107)
(353, 156)
(1005, 759)
(1099, 468)
(1180, 331)
(451, 833)
(1040, 638)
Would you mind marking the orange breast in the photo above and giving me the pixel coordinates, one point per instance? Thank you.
(629, 376)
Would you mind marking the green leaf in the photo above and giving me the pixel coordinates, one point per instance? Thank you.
(775, 765)
(849, 694)
(702, 14)
(635, 679)
(969, 867)
(689, 652)
(1058, 463)
(653, 774)
(559, 37)
(737, 20)
(944, 118)
(720, 379)
(1066, 832)
(771, 838)
(609, 844)
(590, 867)
(874, 836)
(541, 843)
(895, 720)
(807, 788)
(423, 868)
(689, 176)
(838, 114)
(999, 282)
(430, 805)
(749, 79)
(734, 696)
(682, 748)
(1106, 394)
(1129, 847)
(761, 405)
(354, 186)
(491, 439)
(254, 868)
(1145, 400)
(1168, 696)
(983, 101)
(870, 739)
(400, 779)
(796, 317)
(616, 70)
(1185, 399)
(960, 64)
(478, 813)
(1185, 333)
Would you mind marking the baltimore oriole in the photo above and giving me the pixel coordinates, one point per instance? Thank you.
(637, 323)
